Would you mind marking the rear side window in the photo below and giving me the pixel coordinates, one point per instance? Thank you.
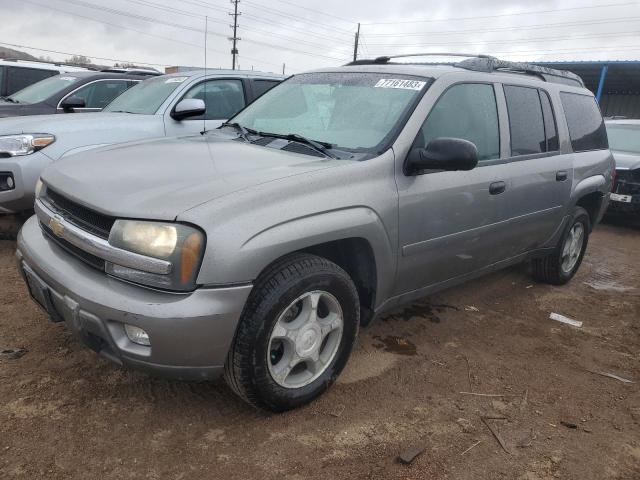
(550, 128)
(99, 94)
(526, 122)
(466, 111)
(260, 87)
(586, 126)
(19, 78)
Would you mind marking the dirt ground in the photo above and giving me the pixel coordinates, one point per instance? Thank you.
(67, 414)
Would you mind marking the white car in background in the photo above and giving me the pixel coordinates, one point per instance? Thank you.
(170, 105)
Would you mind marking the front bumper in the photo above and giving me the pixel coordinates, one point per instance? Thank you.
(24, 172)
(190, 333)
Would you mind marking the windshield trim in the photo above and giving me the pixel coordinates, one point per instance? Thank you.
(389, 139)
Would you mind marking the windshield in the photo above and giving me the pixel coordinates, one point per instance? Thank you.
(40, 91)
(624, 138)
(146, 97)
(354, 111)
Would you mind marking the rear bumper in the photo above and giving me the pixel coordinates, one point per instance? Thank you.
(190, 333)
(625, 208)
(24, 172)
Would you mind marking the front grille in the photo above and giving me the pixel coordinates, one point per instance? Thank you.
(79, 215)
(86, 257)
(627, 182)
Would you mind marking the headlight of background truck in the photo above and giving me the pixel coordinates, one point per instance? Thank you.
(181, 245)
(25, 144)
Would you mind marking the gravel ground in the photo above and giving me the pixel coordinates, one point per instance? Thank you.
(67, 414)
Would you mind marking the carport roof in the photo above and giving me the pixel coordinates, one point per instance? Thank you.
(622, 76)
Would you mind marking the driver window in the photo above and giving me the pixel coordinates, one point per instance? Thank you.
(466, 111)
(223, 98)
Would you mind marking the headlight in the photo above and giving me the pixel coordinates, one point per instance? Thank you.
(181, 245)
(18, 145)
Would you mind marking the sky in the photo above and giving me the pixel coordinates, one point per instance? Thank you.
(309, 34)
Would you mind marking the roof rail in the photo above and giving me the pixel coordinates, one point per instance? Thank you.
(488, 64)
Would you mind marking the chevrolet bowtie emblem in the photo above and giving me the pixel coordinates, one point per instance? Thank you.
(56, 226)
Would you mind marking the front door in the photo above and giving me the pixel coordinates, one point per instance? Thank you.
(450, 222)
(223, 99)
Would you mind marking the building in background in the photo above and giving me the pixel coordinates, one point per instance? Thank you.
(616, 84)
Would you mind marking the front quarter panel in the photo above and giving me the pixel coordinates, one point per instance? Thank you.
(248, 230)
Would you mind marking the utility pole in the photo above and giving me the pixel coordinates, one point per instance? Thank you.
(235, 38)
(355, 47)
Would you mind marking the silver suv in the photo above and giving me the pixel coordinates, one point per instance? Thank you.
(256, 251)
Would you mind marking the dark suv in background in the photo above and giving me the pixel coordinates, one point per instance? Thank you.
(69, 92)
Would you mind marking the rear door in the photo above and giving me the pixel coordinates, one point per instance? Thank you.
(223, 97)
(539, 173)
(97, 94)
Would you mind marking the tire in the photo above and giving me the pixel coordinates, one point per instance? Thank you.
(286, 290)
(550, 269)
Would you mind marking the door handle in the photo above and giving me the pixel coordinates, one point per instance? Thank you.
(561, 176)
(496, 188)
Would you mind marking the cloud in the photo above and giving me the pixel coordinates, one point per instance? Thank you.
(314, 33)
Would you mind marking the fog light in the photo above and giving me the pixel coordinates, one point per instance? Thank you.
(10, 183)
(137, 335)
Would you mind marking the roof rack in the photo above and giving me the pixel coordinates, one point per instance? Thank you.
(488, 64)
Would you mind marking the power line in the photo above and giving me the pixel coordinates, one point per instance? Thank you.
(302, 52)
(541, 26)
(113, 24)
(145, 33)
(501, 42)
(290, 16)
(184, 27)
(550, 52)
(285, 26)
(500, 15)
(342, 19)
(84, 55)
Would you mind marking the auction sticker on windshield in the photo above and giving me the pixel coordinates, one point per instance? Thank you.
(175, 80)
(399, 83)
(68, 79)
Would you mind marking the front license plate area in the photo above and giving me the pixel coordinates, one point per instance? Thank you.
(621, 198)
(41, 295)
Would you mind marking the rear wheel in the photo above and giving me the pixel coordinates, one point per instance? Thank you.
(560, 267)
(295, 335)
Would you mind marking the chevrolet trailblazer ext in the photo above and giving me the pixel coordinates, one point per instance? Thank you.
(257, 250)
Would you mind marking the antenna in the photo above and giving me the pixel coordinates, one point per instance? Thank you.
(206, 35)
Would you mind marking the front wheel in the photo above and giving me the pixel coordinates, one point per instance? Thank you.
(295, 335)
(560, 267)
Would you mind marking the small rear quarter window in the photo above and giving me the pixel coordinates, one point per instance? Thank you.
(586, 126)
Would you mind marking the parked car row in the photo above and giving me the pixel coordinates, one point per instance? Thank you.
(256, 247)
(169, 105)
(624, 141)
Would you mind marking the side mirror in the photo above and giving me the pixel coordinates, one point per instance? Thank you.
(189, 107)
(71, 103)
(447, 154)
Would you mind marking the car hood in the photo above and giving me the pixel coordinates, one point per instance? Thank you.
(626, 160)
(160, 179)
(58, 124)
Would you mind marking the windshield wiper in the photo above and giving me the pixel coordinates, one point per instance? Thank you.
(243, 131)
(318, 146)
(9, 99)
(121, 111)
